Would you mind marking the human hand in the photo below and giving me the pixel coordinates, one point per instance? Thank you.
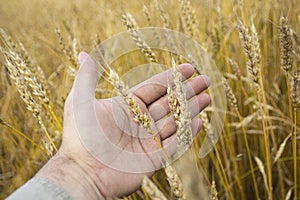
(76, 167)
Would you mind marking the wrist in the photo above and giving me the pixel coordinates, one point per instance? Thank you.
(74, 178)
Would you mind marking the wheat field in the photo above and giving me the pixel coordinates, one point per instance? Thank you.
(254, 44)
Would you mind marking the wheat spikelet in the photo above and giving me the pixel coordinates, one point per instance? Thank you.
(285, 45)
(19, 80)
(175, 183)
(23, 61)
(22, 53)
(281, 148)
(131, 26)
(235, 68)
(294, 93)
(255, 45)
(205, 121)
(166, 24)
(229, 93)
(184, 130)
(30, 79)
(188, 17)
(16, 73)
(138, 115)
(100, 55)
(192, 15)
(33, 75)
(67, 50)
(49, 148)
(174, 106)
(147, 14)
(122, 90)
(251, 49)
(119, 85)
(34, 69)
(8, 40)
(149, 20)
(163, 15)
(296, 40)
(213, 191)
(97, 40)
(262, 171)
(216, 40)
(75, 48)
(152, 189)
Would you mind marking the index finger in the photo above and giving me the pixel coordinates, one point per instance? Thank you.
(155, 87)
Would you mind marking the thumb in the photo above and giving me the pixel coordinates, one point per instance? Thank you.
(87, 77)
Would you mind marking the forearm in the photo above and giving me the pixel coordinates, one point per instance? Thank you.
(72, 177)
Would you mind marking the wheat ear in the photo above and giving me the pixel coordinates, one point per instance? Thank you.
(152, 189)
(131, 26)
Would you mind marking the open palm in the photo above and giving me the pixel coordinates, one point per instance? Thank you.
(126, 144)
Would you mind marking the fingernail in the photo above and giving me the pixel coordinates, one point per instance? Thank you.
(206, 79)
(81, 57)
(186, 65)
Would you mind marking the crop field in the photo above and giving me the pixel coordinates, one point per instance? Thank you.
(255, 46)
